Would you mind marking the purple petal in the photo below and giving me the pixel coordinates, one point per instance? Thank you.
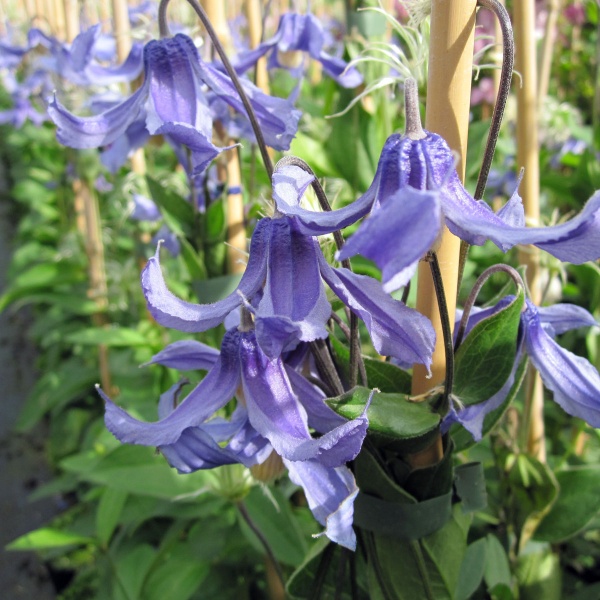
(338, 69)
(320, 416)
(128, 71)
(576, 241)
(564, 317)
(574, 381)
(289, 313)
(290, 183)
(277, 414)
(398, 235)
(198, 447)
(186, 355)
(170, 311)
(211, 394)
(395, 329)
(277, 117)
(97, 130)
(175, 94)
(144, 209)
(330, 494)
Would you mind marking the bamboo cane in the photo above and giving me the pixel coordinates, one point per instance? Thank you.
(71, 9)
(254, 16)
(547, 50)
(230, 172)
(528, 157)
(121, 28)
(122, 32)
(448, 99)
(59, 12)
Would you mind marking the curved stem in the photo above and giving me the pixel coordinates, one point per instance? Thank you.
(339, 242)
(438, 283)
(260, 140)
(508, 61)
(514, 274)
(262, 539)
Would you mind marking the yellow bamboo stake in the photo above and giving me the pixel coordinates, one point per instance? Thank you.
(448, 99)
(254, 16)
(59, 11)
(547, 50)
(528, 157)
(122, 32)
(71, 8)
(49, 15)
(215, 11)
(230, 172)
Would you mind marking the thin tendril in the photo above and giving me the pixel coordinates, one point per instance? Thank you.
(508, 60)
(514, 274)
(339, 242)
(260, 140)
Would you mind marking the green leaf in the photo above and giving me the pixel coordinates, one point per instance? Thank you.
(301, 584)
(131, 567)
(178, 577)
(215, 224)
(430, 566)
(39, 278)
(539, 575)
(392, 417)
(178, 212)
(136, 470)
(192, 261)
(382, 375)
(46, 538)
(108, 513)
(578, 502)
(69, 381)
(276, 523)
(486, 357)
(471, 570)
(533, 489)
(497, 568)
(216, 288)
(108, 336)
(463, 439)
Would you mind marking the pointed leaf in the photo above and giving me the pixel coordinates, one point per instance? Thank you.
(485, 359)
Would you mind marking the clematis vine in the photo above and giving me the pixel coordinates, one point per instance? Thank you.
(298, 33)
(574, 381)
(285, 315)
(176, 96)
(276, 407)
(416, 190)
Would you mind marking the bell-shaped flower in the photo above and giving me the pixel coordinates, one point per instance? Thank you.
(574, 381)
(286, 313)
(415, 191)
(275, 410)
(175, 96)
(300, 33)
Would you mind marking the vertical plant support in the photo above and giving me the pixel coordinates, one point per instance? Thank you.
(448, 100)
(122, 31)
(254, 16)
(230, 173)
(528, 158)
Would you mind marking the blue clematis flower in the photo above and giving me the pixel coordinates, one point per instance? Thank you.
(415, 191)
(275, 410)
(300, 33)
(286, 314)
(575, 382)
(175, 95)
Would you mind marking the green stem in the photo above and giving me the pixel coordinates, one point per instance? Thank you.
(415, 546)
